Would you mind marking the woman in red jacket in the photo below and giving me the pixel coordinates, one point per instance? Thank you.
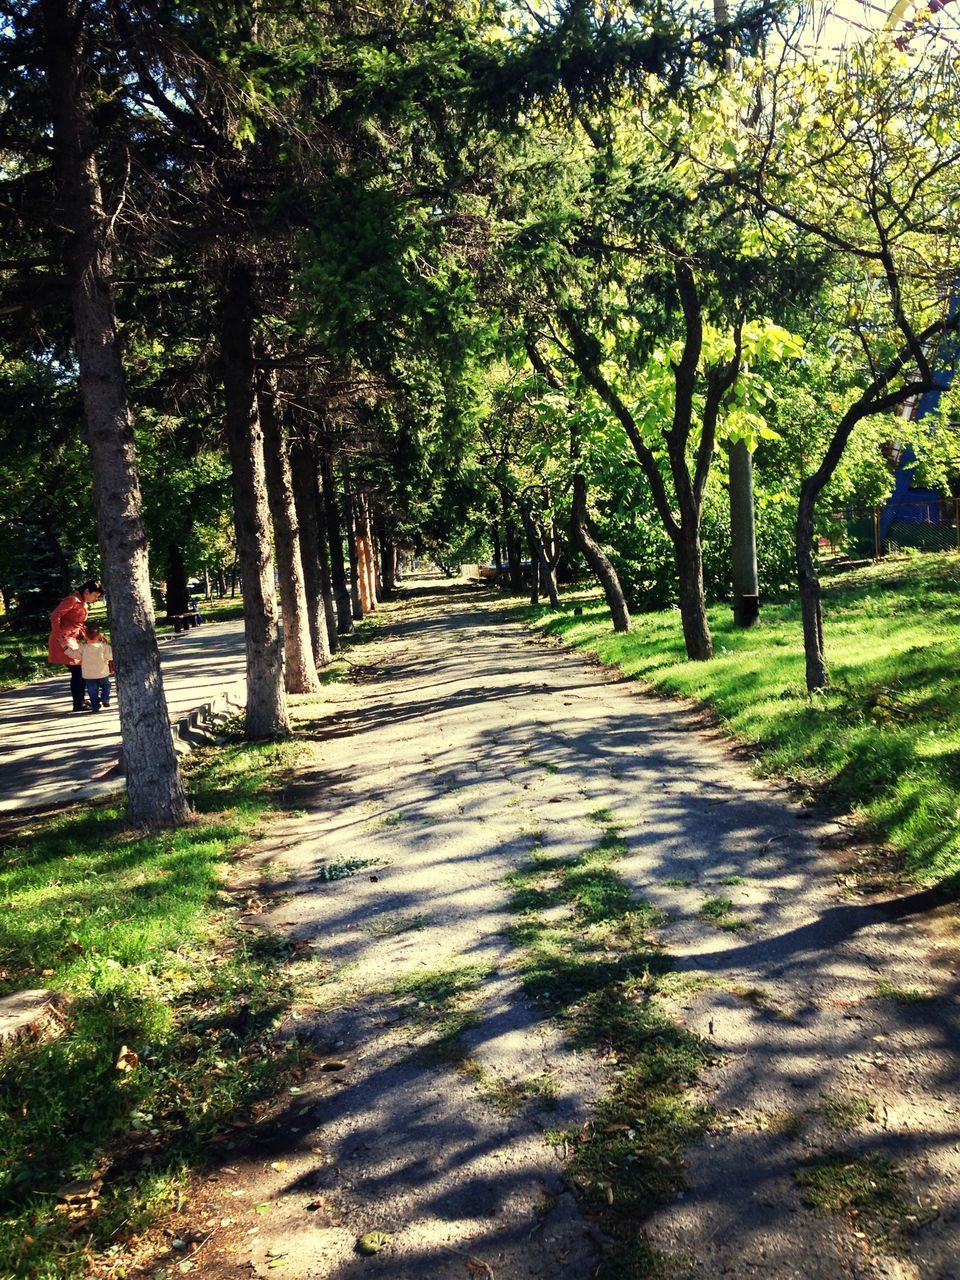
(66, 625)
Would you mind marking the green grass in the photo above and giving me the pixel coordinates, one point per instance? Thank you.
(882, 742)
(717, 911)
(140, 932)
(509, 1097)
(596, 971)
(884, 990)
(868, 1189)
(846, 1113)
(441, 1002)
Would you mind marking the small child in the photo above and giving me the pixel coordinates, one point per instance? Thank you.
(96, 665)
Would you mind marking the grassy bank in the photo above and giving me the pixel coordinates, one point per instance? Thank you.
(883, 742)
(172, 994)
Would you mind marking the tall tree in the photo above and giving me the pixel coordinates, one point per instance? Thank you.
(155, 790)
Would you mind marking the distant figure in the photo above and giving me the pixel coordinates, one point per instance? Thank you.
(66, 628)
(194, 608)
(96, 665)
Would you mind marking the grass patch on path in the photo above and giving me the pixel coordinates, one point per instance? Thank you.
(141, 932)
(882, 742)
(587, 960)
(870, 1191)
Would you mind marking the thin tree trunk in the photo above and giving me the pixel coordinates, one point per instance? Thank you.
(372, 543)
(534, 557)
(497, 549)
(299, 667)
(154, 787)
(385, 550)
(743, 537)
(307, 517)
(693, 613)
(313, 552)
(811, 611)
(326, 586)
(335, 545)
(541, 568)
(365, 547)
(514, 557)
(267, 712)
(596, 557)
(356, 569)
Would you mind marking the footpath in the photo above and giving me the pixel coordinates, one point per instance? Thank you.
(49, 755)
(464, 744)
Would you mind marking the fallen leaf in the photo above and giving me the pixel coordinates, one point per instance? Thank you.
(372, 1242)
(127, 1059)
(477, 1267)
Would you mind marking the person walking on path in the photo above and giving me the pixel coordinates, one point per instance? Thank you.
(66, 628)
(96, 666)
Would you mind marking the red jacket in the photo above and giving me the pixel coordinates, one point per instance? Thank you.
(66, 624)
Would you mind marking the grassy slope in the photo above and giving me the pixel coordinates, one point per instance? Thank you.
(883, 742)
(142, 932)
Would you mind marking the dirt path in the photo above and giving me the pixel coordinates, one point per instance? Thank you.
(466, 736)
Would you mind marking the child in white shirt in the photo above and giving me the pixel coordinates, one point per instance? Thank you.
(96, 666)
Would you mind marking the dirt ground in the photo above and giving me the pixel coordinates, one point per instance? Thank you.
(462, 734)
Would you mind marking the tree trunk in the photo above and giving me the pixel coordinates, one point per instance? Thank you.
(810, 608)
(743, 537)
(527, 519)
(154, 787)
(267, 712)
(313, 553)
(357, 581)
(300, 670)
(693, 613)
(385, 548)
(335, 545)
(596, 557)
(326, 586)
(514, 557)
(369, 554)
(541, 568)
(497, 550)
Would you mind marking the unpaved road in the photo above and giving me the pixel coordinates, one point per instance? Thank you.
(464, 735)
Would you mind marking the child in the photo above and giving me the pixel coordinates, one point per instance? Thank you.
(96, 664)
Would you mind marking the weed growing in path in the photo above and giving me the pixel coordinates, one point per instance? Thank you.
(440, 1001)
(597, 972)
(884, 990)
(846, 1113)
(717, 911)
(869, 1190)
